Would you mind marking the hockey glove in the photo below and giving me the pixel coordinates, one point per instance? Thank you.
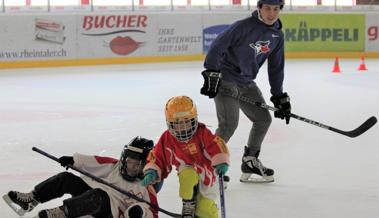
(136, 211)
(221, 168)
(150, 177)
(282, 103)
(212, 81)
(66, 161)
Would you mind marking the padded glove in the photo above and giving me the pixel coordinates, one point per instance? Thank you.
(135, 211)
(221, 168)
(150, 177)
(212, 81)
(66, 161)
(282, 103)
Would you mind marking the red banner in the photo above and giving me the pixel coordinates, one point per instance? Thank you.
(236, 2)
(85, 2)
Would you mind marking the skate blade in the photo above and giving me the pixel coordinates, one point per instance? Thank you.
(14, 206)
(248, 178)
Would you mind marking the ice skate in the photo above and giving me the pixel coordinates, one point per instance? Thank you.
(51, 213)
(20, 202)
(253, 170)
(188, 210)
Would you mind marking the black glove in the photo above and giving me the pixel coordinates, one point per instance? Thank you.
(66, 160)
(135, 211)
(282, 103)
(212, 81)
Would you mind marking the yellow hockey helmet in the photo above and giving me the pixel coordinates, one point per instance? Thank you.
(181, 117)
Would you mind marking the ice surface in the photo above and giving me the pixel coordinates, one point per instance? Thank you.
(98, 109)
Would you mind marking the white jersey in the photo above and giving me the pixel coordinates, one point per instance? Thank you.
(108, 169)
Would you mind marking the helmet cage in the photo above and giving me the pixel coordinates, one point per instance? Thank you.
(134, 153)
(183, 129)
(131, 172)
(181, 117)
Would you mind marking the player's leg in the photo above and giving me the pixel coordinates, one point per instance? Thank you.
(261, 119)
(94, 202)
(227, 109)
(58, 185)
(53, 187)
(188, 181)
(205, 207)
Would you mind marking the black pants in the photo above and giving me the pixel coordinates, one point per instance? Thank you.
(84, 201)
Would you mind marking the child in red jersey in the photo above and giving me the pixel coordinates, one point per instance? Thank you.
(197, 154)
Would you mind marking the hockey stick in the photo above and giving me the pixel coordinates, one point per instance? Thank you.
(97, 179)
(222, 196)
(353, 133)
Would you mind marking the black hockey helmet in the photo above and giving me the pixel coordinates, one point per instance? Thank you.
(271, 2)
(137, 149)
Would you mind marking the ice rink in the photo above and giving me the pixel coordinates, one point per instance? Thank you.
(98, 109)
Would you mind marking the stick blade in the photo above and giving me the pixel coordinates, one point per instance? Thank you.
(370, 122)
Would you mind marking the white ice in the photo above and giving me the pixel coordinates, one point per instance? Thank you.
(98, 109)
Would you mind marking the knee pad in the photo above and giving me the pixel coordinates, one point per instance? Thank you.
(188, 179)
(93, 202)
(205, 207)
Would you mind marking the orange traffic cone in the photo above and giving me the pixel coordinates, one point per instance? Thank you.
(336, 67)
(362, 66)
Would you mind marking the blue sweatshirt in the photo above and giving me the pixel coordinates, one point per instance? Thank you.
(241, 50)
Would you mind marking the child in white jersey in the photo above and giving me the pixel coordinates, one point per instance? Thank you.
(90, 197)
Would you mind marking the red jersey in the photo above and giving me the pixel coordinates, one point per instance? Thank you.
(202, 152)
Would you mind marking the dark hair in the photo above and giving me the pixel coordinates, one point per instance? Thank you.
(271, 2)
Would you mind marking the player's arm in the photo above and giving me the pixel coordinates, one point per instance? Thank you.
(275, 68)
(224, 40)
(157, 167)
(211, 74)
(276, 76)
(215, 147)
(96, 165)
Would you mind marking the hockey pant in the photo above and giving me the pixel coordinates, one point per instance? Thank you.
(84, 201)
(188, 180)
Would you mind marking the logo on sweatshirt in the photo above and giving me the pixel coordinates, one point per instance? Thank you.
(261, 47)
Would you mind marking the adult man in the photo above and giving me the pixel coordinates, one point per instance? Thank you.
(232, 64)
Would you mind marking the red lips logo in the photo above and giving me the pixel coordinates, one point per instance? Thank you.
(124, 45)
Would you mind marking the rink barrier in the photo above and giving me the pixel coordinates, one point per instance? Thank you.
(320, 55)
(46, 40)
(98, 61)
(154, 59)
